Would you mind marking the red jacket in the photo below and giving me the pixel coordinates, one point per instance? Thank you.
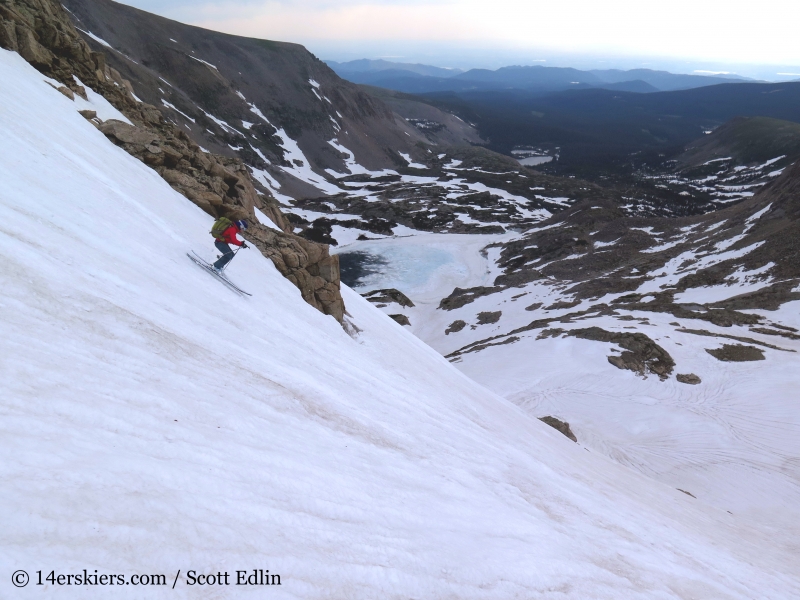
(229, 235)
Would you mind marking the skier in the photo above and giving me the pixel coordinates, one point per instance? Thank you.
(224, 232)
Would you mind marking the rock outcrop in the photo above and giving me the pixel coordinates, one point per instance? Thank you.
(402, 319)
(559, 425)
(736, 353)
(489, 317)
(455, 326)
(387, 296)
(306, 264)
(41, 32)
(641, 354)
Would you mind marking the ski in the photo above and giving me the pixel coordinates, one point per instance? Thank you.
(206, 266)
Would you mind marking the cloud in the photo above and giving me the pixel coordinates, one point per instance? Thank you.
(712, 29)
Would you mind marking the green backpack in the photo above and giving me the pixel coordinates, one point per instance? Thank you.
(219, 227)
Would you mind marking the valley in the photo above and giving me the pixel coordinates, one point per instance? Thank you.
(458, 375)
(653, 331)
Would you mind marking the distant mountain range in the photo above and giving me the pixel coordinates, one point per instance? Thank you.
(417, 78)
(598, 128)
(366, 65)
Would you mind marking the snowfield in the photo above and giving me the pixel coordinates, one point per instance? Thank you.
(152, 420)
(733, 441)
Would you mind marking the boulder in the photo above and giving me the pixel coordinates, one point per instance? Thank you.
(485, 318)
(559, 425)
(31, 50)
(387, 296)
(455, 327)
(460, 297)
(180, 179)
(402, 319)
(172, 157)
(128, 134)
(8, 36)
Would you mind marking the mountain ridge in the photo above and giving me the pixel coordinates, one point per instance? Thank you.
(366, 65)
(542, 79)
(274, 94)
(747, 140)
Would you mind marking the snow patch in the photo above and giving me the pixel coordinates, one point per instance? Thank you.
(354, 167)
(301, 167)
(204, 62)
(410, 162)
(254, 109)
(168, 105)
(222, 123)
(104, 109)
(100, 41)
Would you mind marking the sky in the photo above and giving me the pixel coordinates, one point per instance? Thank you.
(700, 35)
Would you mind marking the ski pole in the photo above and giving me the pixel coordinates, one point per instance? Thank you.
(231, 260)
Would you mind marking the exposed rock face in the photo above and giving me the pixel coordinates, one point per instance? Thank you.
(213, 73)
(689, 378)
(43, 34)
(219, 186)
(306, 264)
(559, 425)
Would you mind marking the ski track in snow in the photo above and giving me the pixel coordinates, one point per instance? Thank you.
(146, 406)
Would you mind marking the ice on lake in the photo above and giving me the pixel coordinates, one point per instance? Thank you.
(403, 267)
(535, 160)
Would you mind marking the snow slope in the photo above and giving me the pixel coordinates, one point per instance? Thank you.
(733, 441)
(152, 421)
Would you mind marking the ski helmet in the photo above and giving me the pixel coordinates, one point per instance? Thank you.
(241, 224)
